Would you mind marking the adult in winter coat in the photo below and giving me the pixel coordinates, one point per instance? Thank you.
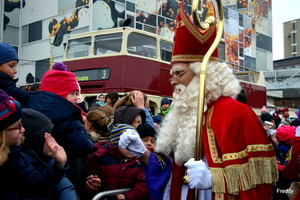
(56, 99)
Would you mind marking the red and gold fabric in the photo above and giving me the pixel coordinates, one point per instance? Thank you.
(239, 154)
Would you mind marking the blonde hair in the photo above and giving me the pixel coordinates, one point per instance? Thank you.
(4, 149)
(99, 122)
(126, 100)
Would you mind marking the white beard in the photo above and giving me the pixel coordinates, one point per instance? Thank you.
(178, 130)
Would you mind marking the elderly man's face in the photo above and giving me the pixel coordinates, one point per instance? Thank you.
(182, 74)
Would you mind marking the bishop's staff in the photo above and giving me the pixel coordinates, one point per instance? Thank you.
(208, 22)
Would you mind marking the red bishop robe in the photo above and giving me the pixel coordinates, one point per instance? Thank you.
(238, 151)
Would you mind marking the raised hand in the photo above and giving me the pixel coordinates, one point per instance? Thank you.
(58, 153)
(138, 99)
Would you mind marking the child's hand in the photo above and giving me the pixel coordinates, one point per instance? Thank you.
(93, 183)
(120, 196)
(138, 99)
(58, 153)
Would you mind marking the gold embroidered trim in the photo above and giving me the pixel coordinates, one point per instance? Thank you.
(195, 58)
(201, 35)
(244, 153)
(211, 138)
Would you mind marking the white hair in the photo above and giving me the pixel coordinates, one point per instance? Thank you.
(178, 130)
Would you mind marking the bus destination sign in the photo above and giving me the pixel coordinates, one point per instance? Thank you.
(92, 74)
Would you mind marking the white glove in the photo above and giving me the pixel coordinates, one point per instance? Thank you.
(131, 141)
(298, 131)
(198, 174)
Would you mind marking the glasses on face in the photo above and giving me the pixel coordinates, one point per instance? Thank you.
(16, 128)
(179, 75)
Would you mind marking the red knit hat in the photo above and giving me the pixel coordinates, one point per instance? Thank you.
(190, 42)
(59, 81)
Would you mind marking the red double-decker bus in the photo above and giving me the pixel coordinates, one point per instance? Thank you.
(125, 59)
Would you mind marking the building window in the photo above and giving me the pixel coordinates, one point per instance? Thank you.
(294, 48)
(293, 26)
(35, 31)
(282, 103)
(294, 38)
(241, 52)
(241, 24)
(293, 103)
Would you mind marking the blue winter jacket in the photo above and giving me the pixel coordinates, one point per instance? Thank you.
(8, 85)
(68, 130)
(20, 176)
(64, 190)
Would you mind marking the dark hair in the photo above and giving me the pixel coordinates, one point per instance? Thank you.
(242, 96)
(113, 96)
(295, 122)
(35, 87)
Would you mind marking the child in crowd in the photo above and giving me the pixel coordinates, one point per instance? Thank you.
(112, 98)
(57, 99)
(147, 134)
(139, 100)
(100, 100)
(156, 121)
(8, 69)
(39, 155)
(18, 176)
(165, 107)
(111, 167)
(129, 115)
(97, 125)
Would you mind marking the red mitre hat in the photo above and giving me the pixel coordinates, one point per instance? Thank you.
(190, 42)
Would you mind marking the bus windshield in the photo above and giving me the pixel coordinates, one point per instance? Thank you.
(108, 44)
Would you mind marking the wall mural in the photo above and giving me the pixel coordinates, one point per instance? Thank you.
(9, 6)
(247, 23)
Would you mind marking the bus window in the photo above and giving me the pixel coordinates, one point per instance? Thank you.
(108, 44)
(79, 47)
(141, 45)
(166, 51)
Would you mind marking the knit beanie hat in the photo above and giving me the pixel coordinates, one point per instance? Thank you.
(35, 124)
(7, 53)
(156, 119)
(59, 81)
(165, 100)
(126, 114)
(145, 130)
(10, 110)
(117, 131)
(266, 117)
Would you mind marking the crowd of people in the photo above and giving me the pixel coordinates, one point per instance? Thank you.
(284, 135)
(53, 147)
